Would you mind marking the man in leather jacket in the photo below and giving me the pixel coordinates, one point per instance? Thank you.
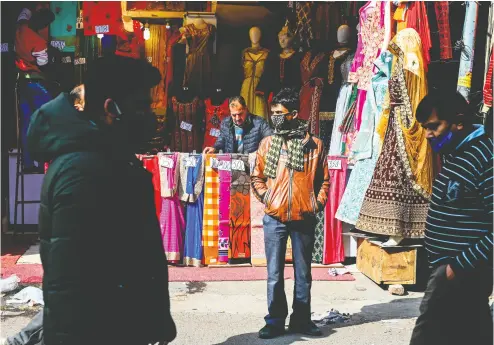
(241, 132)
(291, 178)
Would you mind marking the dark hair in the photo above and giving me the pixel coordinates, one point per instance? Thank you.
(238, 99)
(116, 77)
(448, 105)
(41, 19)
(287, 97)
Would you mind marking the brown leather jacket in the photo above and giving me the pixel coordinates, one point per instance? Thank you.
(292, 195)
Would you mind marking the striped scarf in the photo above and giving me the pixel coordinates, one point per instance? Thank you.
(295, 149)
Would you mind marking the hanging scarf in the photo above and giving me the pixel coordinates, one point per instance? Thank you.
(295, 148)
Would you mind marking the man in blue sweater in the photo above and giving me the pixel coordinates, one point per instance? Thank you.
(458, 236)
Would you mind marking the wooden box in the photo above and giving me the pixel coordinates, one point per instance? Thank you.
(388, 265)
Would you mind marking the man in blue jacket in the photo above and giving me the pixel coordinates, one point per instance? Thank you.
(242, 131)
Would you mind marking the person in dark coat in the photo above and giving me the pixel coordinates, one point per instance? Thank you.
(105, 271)
(241, 132)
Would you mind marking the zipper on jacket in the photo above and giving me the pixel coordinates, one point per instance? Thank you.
(290, 192)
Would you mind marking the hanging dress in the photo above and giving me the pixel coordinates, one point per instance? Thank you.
(186, 120)
(240, 232)
(172, 220)
(191, 192)
(336, 147)
(311, 90)
(397, 199)
(211, 212)
(371, 38)
(225, 181)
(367, 143)
(214, 115)
(253, 61)
(199, 66)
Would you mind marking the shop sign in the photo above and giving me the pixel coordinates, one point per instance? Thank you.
(102, 29)
(238, 164)
(166, 162)
(186, 126)
(214, 132)
(334, 164)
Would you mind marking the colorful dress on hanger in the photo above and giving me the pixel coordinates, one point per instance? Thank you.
(63, 28)
(367, 143)
(240, 244)
(186, 138)
(211, 220)
(342, 104)
(258, 253)
(311, 89)
(253, 61)
(397, 199)
(172, 220)
(214, 115)
(151, 164)
(191, 192)
(225, 178)
(199, 66)
(371, 38)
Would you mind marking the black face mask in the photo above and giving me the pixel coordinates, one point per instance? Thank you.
(281, 123)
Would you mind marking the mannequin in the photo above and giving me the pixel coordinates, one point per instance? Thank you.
(283, 69)
(253, 60)
(199, 37)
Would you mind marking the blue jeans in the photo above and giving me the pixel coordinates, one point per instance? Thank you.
(275, 239)
(32, 95)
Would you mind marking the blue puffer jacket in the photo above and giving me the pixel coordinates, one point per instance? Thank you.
(256, 129)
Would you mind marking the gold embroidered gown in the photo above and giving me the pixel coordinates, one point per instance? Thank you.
(397, 199)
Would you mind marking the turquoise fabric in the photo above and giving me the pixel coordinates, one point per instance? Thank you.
(63, 27)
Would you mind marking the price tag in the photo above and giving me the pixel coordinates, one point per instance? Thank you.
(66, 59)
(186, 126)
(5, 47)
(60, 45)
(190, 162)
(166, 162)
(214, 163)
(80, 61)
(150, 59)
(225, 165)
(238, 164)
(334, 164)
(214, 132)
(102, 29)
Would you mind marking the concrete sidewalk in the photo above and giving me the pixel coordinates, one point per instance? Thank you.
(231, 313)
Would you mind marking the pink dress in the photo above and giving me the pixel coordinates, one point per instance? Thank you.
(371, 38)
(172, 220)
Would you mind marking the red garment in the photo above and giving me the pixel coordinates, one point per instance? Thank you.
(442, 15)
(150, 163)
(417, 19)
(130, 44)
(214, 115)
(102, 13)
(334, 251)
(488, 82)
(27, 43)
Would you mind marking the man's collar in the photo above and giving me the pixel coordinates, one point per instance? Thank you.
(478, 130)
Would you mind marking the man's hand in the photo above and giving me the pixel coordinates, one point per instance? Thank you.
(208, 150)
(450, 274)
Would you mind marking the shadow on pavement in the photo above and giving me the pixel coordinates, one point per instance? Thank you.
(404, 309)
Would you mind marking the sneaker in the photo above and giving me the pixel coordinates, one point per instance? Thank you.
(307, 329)
(270, 332)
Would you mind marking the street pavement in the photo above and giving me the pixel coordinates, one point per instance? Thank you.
(231, 313)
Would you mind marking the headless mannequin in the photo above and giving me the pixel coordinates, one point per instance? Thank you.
(199, 23)
(184, 95)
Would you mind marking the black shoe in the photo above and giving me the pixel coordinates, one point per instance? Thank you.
(270, 332)
(307, 329)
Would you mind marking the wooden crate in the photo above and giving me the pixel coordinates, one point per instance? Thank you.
(387, 265)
